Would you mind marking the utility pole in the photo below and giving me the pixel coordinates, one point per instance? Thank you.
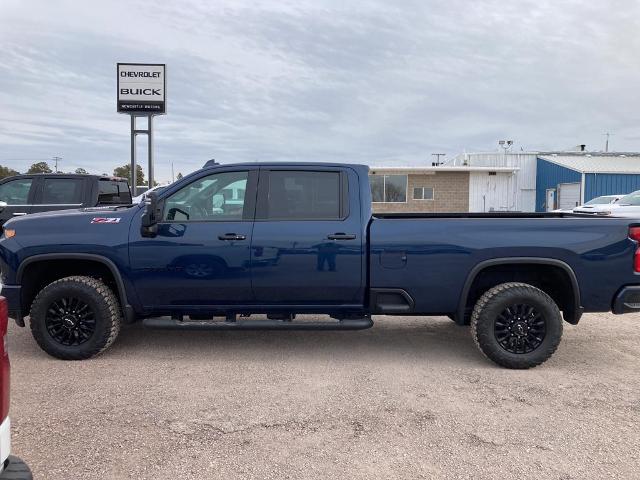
(437, 155)
(606, 143)
(173, 178)
(56, 159)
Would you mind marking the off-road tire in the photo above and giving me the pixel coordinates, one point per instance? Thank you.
(493, 303)
(101, 300)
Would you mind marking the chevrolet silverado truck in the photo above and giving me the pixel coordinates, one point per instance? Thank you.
(283, 239)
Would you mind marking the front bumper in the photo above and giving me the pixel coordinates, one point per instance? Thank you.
(627, 300)
(13, 294)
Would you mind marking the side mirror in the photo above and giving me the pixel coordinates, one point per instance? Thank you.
(3, 205)
(151, 216)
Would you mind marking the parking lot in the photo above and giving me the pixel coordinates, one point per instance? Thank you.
(409, 398)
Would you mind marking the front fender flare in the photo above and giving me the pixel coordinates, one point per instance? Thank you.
(127, 309)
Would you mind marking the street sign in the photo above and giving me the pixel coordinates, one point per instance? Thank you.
(141, 88)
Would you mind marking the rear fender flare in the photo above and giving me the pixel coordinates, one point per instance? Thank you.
(577, 311)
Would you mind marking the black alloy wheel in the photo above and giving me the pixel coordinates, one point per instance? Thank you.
(520, 328)
(70, 321)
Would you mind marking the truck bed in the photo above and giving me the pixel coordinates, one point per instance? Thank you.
(433, 260)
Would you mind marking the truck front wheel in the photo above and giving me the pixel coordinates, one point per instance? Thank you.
(516, 325)
(75, 318)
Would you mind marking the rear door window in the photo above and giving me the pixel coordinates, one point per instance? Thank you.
(113, 192)
(62, 191)
(304, 195)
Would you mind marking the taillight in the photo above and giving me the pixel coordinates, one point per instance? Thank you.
(4, 360)
(634, 234)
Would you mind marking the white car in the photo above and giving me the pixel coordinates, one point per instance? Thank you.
(598, 204)
(628, 207)
(137, 199)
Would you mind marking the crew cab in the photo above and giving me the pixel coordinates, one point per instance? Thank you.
(11, 467)
(283, 239)
(43, 192)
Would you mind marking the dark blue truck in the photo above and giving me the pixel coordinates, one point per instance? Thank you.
(282, 239)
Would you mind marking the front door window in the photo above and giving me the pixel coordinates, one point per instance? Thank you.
(217, 197)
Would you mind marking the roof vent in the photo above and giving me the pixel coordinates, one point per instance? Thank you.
(588, 155)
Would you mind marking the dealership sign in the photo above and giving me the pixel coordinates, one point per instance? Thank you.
(141, 88)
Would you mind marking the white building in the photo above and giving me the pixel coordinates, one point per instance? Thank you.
(514, 191)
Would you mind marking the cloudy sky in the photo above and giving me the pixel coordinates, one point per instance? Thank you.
(374, 82)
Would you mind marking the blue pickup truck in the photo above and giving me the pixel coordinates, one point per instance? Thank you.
(282, 239)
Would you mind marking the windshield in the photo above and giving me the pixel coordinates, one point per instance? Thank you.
(632, 199)
(601, 200)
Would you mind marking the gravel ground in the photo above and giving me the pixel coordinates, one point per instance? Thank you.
(409, 398)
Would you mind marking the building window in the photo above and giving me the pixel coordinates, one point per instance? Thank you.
(423, 193)
(388, 188)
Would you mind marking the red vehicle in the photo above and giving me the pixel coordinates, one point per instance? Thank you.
(11, 467)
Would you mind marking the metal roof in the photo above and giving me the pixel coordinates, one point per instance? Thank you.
(594, 163)
(443, 168)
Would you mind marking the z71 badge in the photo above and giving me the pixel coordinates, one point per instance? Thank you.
(106, 220)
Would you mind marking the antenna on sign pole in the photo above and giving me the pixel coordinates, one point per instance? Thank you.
(141, 93)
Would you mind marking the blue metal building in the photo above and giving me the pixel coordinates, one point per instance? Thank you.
(566, 180)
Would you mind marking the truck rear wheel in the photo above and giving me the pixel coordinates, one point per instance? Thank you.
(75, 318)
(516, 325)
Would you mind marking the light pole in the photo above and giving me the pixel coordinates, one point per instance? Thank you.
(506, 145)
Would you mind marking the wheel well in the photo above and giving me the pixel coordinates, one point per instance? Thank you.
(39, 274)
(554, 280)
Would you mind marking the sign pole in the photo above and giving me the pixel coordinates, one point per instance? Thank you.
(133, 156)
(150, 149)
(141, 93)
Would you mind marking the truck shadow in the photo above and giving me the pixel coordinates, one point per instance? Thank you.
(417, 338)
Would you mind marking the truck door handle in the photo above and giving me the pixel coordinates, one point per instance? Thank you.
(231, 236)
(341, 236)
(19, 214)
